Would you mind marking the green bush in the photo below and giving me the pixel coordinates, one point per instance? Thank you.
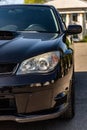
(33, 1)
(84, 39)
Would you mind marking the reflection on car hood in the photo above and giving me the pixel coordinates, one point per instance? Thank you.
(27, 45)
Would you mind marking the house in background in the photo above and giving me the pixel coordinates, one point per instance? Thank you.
(73, 12)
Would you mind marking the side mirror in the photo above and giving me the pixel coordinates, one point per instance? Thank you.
(74, 29)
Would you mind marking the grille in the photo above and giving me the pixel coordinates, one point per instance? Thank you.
(7, 68)
(7, 106)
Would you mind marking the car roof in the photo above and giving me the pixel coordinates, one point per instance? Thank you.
(40, 5)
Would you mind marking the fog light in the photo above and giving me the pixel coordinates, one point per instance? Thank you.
(46, 84)
(35, 85)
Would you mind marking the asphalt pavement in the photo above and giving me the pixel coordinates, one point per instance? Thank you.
(79, 122)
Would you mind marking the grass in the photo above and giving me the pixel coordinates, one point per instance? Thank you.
(84, 39)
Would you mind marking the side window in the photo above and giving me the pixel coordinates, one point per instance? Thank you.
(63, 22)
(63, 17)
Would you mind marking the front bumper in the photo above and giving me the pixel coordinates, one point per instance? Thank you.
(29, 101)
(31, 118)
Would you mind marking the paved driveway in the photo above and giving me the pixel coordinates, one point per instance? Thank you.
(79, 122)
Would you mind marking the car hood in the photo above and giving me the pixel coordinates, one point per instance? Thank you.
(27, 45)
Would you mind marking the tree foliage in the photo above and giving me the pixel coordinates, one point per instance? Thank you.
(34, 1)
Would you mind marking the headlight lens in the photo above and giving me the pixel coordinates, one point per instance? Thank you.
(40, 64)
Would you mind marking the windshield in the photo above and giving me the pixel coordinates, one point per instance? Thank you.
(28, 18)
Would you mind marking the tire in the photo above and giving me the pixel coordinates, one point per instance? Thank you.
(70, 112)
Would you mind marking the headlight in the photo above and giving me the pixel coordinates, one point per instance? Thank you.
(40, 64)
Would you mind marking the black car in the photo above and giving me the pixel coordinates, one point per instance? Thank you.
(36, 64)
